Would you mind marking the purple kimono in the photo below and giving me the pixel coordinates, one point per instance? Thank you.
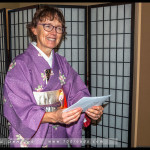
(26, 74)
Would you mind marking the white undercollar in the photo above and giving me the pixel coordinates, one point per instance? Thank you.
(48, 59)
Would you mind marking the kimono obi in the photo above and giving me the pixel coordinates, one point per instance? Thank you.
(51, 100)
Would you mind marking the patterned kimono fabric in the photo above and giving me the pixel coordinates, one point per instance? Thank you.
(27, 74)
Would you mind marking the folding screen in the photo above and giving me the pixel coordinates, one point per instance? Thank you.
(111, 61)
(3, 69)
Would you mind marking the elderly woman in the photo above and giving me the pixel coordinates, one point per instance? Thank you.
(39, 73)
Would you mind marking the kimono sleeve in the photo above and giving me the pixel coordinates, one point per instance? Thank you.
(19, 107)
(74, 89)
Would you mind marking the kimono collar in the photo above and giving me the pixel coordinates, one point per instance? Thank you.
(48, 59)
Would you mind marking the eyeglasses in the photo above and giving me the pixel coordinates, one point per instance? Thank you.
(49, 28)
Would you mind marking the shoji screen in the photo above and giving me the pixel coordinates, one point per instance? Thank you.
(3, 69)
(18, 19)
(111, 61)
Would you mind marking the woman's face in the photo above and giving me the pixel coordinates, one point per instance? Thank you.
(46, 41)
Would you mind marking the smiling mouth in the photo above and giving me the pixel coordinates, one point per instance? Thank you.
(51, 39)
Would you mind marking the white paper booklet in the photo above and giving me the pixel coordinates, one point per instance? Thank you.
(88, 102)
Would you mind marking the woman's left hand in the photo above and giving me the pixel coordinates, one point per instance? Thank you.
(95, 112)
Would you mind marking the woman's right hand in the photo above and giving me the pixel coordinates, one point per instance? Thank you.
(67, 117)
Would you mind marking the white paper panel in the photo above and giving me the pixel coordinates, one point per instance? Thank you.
(106, 41)
(128, 40)
(99, 130)
(112, 54)
(20, 16)
(81, 15)
(126, 83)
(74, 14)
(93, 91)
(99, 54)
(105, 133)
(81, 42)
(68, 14)
(100, 13)
(106, 54)
(93, 28)
(68, 42)
(113, 41)
(126, 97)
(30, 15)
(118, 136)
(118, 122)
(75, 28)
(120, 69)
(113, 12)
(112, 82)
(126, 69)
(127, 26)
(112, 98)
(25, 30)
(126, 110)
(74, 54)
(120, 26)
(119, 96)
(68, 54)
(120, 11)
(99, 41)
(93, 80)
(111, 133)
(16, 30)
(112, 69)
(112, 108)
(106, 68)
(100, 27)
(25, 16)
(106, 91)
(93, 130)
(81, 68)
(124, 136)
(106, 13)
(120, 55)
(99, 67)
(99, 92)
(20, 30)
(120, 41)
(125, 123)
(93, 43)
(105, 120)
(93, 14)
(81, 28)
(106, 27)
(74, 41)
(106, 82)
(118, 109)
(93, 55)
(16, 17)
(93, 67)
(128, 11)
(99, 80)
(119, 82)
(75, 66)
(81, 55)
(113, 26)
